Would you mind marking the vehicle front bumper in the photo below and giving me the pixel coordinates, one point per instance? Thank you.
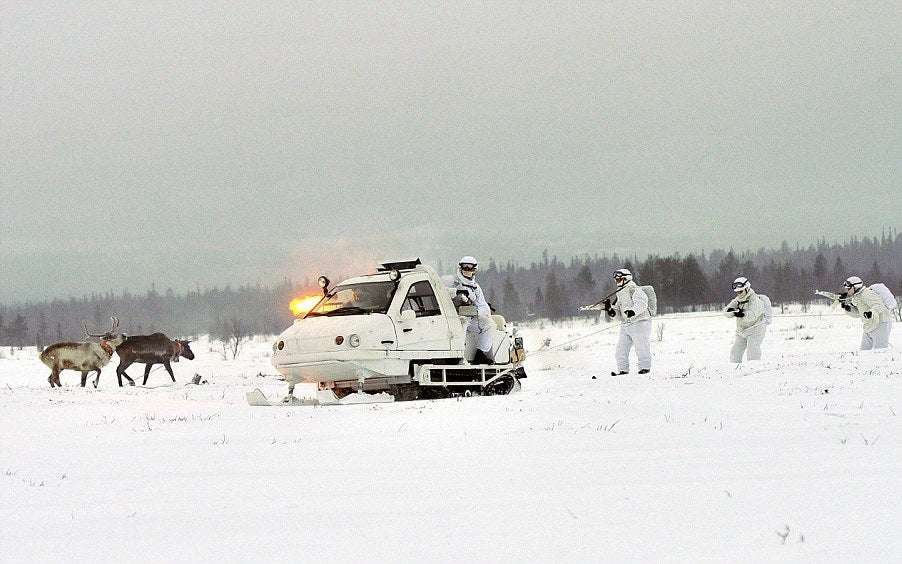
(329, 371)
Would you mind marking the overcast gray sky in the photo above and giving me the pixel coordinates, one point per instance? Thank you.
(188, 143)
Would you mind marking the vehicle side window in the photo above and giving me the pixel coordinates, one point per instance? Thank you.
(421, 300)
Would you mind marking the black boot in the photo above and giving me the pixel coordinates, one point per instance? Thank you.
(645, 371)
(621, 373)
(481, 358)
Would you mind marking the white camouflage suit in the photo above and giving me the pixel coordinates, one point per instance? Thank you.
(750, 328)
(480, 327)
(877, 327)
(634, 331)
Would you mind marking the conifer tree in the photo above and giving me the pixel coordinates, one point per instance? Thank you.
(513, 308)
(538, 303)
(839, 272)
(820, 270)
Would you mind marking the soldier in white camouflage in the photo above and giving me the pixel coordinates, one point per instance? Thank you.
(748, 310)
(630, 307)
(478, 329)
(876, 319)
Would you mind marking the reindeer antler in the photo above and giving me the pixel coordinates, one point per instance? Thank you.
(114, 324)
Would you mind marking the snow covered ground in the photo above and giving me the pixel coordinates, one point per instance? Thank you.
(796, 457)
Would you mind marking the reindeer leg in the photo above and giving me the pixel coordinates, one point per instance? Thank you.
(120, 371)
(97, 378)
(169, 370)
(51, 379)
(147, 367)
(84, 377)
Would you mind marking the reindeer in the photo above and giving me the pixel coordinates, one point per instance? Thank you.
(83, 357)
(151, 349)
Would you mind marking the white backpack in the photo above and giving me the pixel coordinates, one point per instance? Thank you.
(889, 300)
(767, 307)
(652, 299)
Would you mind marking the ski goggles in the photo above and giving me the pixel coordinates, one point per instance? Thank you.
(739, 285)
(468, 267)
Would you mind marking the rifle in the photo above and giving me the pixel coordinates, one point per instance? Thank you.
(595, 306)
(837, 298)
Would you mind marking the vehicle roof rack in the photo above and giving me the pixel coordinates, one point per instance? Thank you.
(408, 264)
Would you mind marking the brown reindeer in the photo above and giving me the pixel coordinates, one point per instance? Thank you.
(151, 349)
(83, 357)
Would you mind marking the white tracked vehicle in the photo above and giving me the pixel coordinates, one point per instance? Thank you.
(392, 335)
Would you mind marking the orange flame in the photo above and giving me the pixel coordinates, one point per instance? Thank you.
(300, 306)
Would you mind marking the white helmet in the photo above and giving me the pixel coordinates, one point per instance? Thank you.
(853, 283)
(741, 284)
(469, 264)
(622, 276)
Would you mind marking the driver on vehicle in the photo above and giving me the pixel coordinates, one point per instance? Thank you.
(478, 328)
(360, 297)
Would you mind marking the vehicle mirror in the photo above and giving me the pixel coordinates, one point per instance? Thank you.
(408, 315)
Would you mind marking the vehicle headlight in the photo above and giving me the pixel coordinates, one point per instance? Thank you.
(354, 340)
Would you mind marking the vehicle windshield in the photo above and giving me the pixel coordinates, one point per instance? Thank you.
(356, 299)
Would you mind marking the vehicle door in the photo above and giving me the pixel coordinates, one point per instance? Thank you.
(428, 329)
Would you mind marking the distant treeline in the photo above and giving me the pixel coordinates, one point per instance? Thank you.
(553, 289)
(257, 309)
(548, 288)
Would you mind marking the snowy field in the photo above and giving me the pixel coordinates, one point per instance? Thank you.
(795, 457)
